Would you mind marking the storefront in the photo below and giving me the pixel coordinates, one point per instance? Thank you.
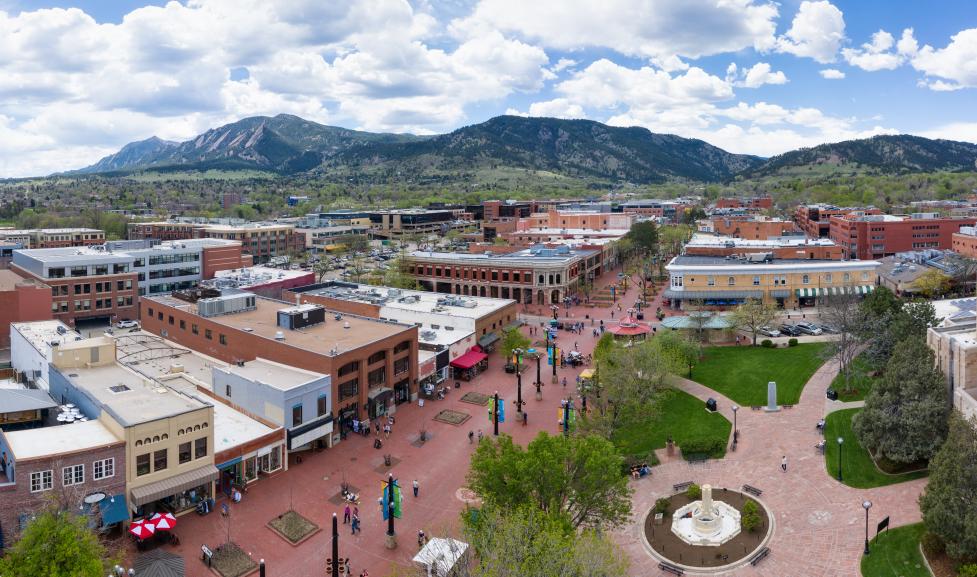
(177, 494)
(470, 364)
(402, 392)
(379, 397)
(314, 434)
(488, 341)
(347, 415)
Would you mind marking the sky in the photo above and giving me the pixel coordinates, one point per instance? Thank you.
(81, 78)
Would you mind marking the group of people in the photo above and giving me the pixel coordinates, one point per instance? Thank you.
(638, 471)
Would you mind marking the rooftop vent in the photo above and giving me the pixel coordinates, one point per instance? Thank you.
(346, 325)
(279, 335)
(119, 388)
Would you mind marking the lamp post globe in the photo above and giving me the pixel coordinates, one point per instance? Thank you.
(841, 441)
(866, 505)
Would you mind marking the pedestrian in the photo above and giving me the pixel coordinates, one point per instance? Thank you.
(525, 418)
(480, 435)
(349, 570)
(421, 538)
(471, 437)
(612, 314)
(346, 514)
(416, 487)
(355, 525)
(564, 382)
(575, 347)
(783, 463)
(356, 511)
(377, 425)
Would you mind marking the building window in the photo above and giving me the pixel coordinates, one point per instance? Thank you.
(184, 452)
(42, 481)
(827, 278)
(349, 389)
(677, 281)
(103, 469)
(200, 447)
(377, 377)
(847, 277)
(194, 329)
(227, 391)
(322, 405)
(711, 281)
(296, 415)
(864, 276)
(401, 347)
(183, 324)
(376, 357)
(142, 464)
(401, 365)
(159, 460)
(73, 475)
(806, 279)
(223, 339)
(349, 368)
(756, 281)
(208, 334)
(731, 281)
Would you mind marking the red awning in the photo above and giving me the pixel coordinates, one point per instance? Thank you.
(469, 359)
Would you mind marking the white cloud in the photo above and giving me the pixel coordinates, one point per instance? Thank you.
(817, 32)
(556, 108)
(649, 28)
(831, 74)
(878, 54)
(954, 66)
(963, 131)
(761, 74)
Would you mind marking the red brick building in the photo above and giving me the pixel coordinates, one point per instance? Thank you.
(750, 203)
(751, 228)
(965, 242)
(21, 299)
(873, 236)
(815, 219)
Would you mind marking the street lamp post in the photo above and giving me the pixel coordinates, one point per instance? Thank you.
(735, 432)
(495, 414)
(539, 380)
(519, 403)
(841, 441)
(867, 505)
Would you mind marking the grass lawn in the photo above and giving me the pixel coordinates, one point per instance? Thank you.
(857, 468)
(742, 373)
(680, 415)
(861, 383)
(895, 553)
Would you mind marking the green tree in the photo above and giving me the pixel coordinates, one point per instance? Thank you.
(321, 267)
(56, 544)
(680, 353)
(525, 541)
(753, 315)
(28, 218)
(579, 478)
(950, 498)
(398, 275)
(880, 303)
(932, 283)
(905, 413)
(629, 384)
(643, 237)
(912, 319)
(512, 339)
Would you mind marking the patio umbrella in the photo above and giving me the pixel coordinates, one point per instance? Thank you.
(163, 521)
(142, 528)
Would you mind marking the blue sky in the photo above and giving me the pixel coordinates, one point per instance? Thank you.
(80, 79)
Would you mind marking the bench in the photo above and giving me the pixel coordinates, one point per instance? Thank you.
(756, 407)
(760, 556)
(697, 458)
(682, 486)
(788, 406)
(206, 555)
(752, 490)
(669, 568)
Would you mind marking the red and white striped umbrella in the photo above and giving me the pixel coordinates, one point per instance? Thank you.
(163, 521)
(142, 528)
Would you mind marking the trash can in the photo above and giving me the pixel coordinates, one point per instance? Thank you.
(832, 395)
(711, 405)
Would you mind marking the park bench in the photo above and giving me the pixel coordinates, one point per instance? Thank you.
(206, 555)
(756, 407)
(760, 556)
(788, 406)
(669, 568)
(695, 458)
(682, 486)
(752, 490)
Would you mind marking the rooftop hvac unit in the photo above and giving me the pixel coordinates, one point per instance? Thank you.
(280, 336)
(226, 304)
(302, 316)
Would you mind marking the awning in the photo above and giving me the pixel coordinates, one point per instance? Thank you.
(834, 291)
(469, 360)
(173, 485)
(113, 510)
(587, 374)
(780, 294)
(230, 463)
(514, 325)
(717, 294)
(440, 556)
(378, 391)
(487, 340)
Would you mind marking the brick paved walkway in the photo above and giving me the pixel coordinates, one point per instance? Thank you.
(819, 523)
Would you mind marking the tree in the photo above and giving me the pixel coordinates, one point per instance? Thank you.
(699, 317)
(399, 276)
(628, 386)
(644, 237)
(843, 312)
(932, 283)
(525, 541)
(678, 352)
(57, 543)
(579, 478)
(512, 339)
(950, 498)
(905, 413)
(910, 320)
(320, 268)
(881, 302)
(753, 315)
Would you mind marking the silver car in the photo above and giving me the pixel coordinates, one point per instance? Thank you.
(808, 329)
(769, 332)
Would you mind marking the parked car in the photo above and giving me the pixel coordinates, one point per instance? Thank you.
(127, 324)
(789, 330)
(828, 329)
(808, 329)
(769, 332)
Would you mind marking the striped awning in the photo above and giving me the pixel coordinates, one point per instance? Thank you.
(714, 294)
(173, 485)
(833, 291)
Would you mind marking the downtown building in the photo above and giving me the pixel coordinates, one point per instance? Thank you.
(263, 241)
(866, 236)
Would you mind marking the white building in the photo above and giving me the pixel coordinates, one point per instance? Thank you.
(31, 346)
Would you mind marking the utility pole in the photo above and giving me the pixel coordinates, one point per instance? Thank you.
(519, 402)
(391, 534)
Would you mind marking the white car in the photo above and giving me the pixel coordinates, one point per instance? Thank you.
(127, 324)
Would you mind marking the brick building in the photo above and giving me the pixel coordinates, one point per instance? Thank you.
(814, 220)
(579, 220)
(53, 237)
(788, 247)
(371, 362)
(872, 236)
(748, 227)
(263, 241)
(21, 299)
(750, 203)
(965, 241)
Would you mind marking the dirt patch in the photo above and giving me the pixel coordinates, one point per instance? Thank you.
(231, 561)
(669, 546)
(293, 527)
(892, 468)
(475, 398)
(452, 417)
(941, 565)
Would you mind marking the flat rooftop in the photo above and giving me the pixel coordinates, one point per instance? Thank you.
(40, 334)
(282, 377)
(408, 300)
(156, 357)
(321, 338)
(574, 231)
(70, 254)
(257, 275)
(9, 279)
(718, 261)
(23, 231)
(59, 439)
(710, 240)
(527, 256)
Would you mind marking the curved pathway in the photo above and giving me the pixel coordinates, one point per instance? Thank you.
(819, 523)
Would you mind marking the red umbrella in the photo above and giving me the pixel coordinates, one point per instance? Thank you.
(163, 521)
(142, 528)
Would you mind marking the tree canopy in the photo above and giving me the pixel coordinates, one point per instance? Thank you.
(643, 236)
(753, 315)
(950, 498)
(513, 339)
(55, 544)
(578, 478)
(905, 413)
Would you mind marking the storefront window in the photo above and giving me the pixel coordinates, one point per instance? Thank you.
(184, 452)
(250, 469)
(159, 460)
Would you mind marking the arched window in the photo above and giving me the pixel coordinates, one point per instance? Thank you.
(156, 439)
(806, 279)
(164, 436)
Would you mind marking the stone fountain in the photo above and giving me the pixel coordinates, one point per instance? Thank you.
(706, 522)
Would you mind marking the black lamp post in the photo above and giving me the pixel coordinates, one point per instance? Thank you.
(736, 408)
(841, 441)
(334, 562)
(867, 505)
(519, 403)
(495, 414)
(567, 407)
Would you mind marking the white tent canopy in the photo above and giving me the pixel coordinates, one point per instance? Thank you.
(439, 556)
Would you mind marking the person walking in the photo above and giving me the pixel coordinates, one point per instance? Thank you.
(416, 488)
(355, 525)
(471, 437)
(783, 463)
(346, 514)
(525, 418)
(480, 435)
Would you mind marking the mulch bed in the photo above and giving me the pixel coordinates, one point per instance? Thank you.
(293, 527)
(941, 565)
(668, 545)
(416, 439)
(892, 468)
(475, 398)
(231, 561)
(382, 466)
(452, 417)
(338, 498)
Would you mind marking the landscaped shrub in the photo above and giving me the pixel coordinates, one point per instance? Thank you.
(661, 505)
(968, 570)
(932, 544)
(750, 516)
(792, 342)
(694, 492)
(766, 343)
(710, 447)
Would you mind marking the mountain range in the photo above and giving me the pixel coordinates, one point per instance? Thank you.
(288, 144)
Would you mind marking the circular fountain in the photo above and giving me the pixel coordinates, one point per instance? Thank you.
(706, 522)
